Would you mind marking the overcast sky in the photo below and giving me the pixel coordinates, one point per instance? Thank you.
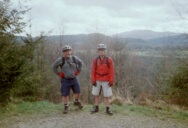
(107, 16)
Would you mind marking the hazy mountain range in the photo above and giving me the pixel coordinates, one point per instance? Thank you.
(148, 38)
(133, 39)
(145, 34)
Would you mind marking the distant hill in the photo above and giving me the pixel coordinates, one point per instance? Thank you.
(181, 39)
(133, 40)
(145, 34)
(138, 39)
(133, 43)
(67, 38)
(79, 38)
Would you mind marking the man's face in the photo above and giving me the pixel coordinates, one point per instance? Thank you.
(67, 53)
(101, 52)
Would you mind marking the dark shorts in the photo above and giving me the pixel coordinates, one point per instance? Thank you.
(67, 85)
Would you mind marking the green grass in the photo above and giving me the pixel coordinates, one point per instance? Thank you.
(150, 111)
(45, 107)
(30, 108)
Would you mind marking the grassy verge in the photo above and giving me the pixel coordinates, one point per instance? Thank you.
(29, 108)
(45, 107)
(151, 112)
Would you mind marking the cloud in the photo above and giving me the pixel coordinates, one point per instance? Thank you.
(112, 4)
(109, 17)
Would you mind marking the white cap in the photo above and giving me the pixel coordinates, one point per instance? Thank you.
(66, 47)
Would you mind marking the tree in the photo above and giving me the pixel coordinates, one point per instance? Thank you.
(178, 84)
(12, 60)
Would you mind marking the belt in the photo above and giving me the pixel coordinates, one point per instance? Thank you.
(70, 78)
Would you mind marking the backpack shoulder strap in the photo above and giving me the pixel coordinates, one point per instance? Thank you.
(63, 61)
(107, 62)
(96, 61)
(74, 59)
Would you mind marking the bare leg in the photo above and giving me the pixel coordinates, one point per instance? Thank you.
(97, 100)
(76, 100)
(76, 96)
(106, 101)
(65, 99)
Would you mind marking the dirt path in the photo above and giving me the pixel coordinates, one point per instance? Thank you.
(86, 120)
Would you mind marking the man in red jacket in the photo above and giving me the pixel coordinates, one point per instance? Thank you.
(102, 78)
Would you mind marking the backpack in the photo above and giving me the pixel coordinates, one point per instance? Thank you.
(74, 60)
(97, 61)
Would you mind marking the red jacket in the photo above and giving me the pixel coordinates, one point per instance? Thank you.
(102, 72)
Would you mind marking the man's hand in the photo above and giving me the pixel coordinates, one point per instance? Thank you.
(94, 84)
(110, 84)
(61, 75)
(76, 73)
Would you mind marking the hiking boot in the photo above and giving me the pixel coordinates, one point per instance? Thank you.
(78, 103)
(66, 109)
(95, 109)
(108, 111)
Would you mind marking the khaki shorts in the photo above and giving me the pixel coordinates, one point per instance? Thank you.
(104, 85)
